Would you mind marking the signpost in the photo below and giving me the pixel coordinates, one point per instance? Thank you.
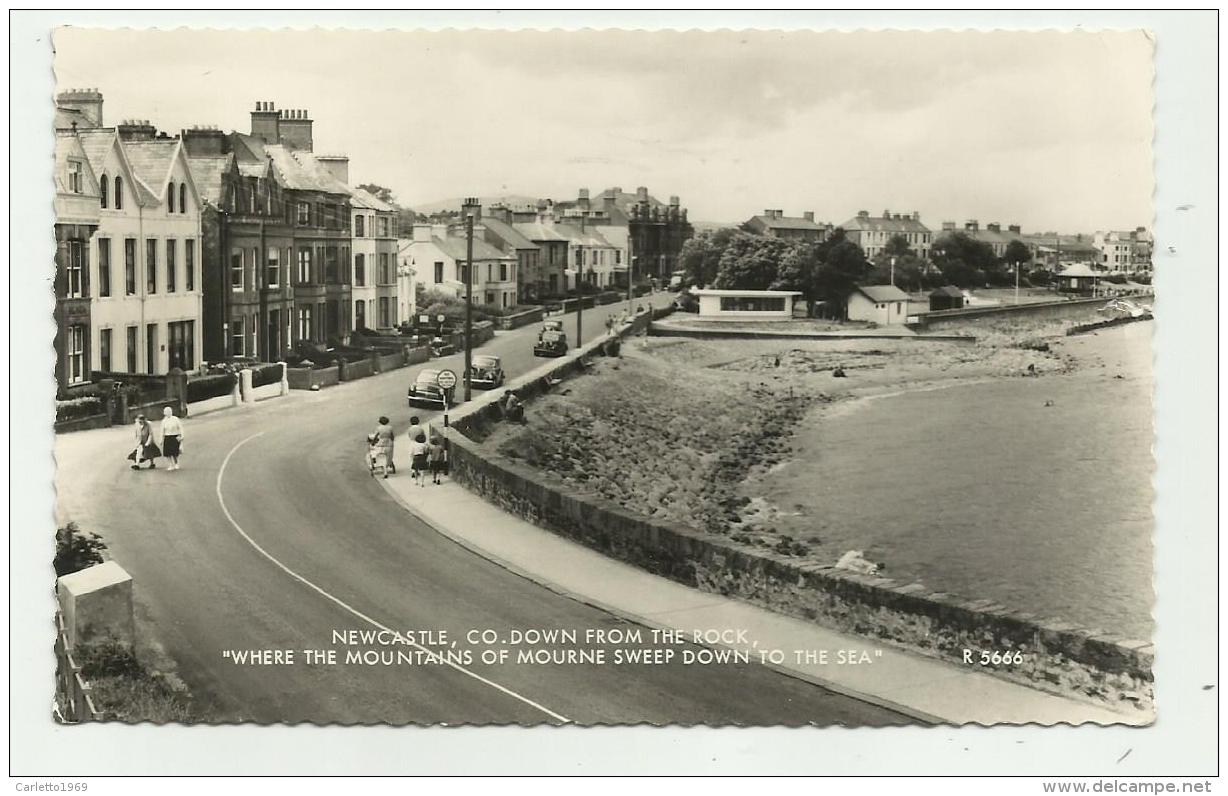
(447, 380)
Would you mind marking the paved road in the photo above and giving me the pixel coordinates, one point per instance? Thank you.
(273, 536)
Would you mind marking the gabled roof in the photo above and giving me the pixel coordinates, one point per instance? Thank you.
(508, 234)
(1080, 270)
(301, 171)
(787, 222)
(369, 201)
(537, 231)
(68, 145)
(880, 224)
(882, 293)
(456, 248)
(207, 172)
(582, 237)
(152, 161)
(99, 141)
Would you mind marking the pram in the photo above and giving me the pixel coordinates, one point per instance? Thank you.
(377, 456)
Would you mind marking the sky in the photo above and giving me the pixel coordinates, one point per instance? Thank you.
(1048, 130)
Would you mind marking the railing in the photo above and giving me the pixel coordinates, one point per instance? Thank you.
(73, 703)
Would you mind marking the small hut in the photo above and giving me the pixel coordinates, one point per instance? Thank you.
(947, 298)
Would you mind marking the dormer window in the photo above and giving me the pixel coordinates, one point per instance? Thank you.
(76, 176)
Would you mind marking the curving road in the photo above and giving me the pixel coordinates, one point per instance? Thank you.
(272, 536)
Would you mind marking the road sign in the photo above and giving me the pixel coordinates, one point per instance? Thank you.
(446, 379)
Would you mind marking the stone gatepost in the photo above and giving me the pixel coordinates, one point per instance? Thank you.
(96, 603)
(285, 379)
(177, 391)
(236, 396)
(245, 386)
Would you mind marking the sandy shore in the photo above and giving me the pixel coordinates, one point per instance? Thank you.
(680, 428)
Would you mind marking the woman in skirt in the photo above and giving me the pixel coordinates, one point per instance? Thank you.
(172, 437)
(146, 449)
(417, 450)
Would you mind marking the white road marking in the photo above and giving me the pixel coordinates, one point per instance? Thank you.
(222, 470)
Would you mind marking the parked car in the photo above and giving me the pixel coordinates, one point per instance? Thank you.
(550, 343)
(425, 391)
(486, 372)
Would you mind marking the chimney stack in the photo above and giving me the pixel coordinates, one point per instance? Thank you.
(1015, 228)
(641, 194)
(993, 226)
(265, 123)
(294, 129)
(337, 165)
(472, 206)
(808, 215)
(86, 100)
(863, 213)
(948, 226)
(203, 139)
(422, 232)
(916, 216)
(972, 225)
(136, 130)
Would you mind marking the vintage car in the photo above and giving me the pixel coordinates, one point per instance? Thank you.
(550, 343)
(425, 391)
(485, 372)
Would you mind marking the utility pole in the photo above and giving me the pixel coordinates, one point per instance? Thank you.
(893, 271)
(579, 282)
(468, 306)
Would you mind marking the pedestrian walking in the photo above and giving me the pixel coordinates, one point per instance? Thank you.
(386, 442)
(418, 455)
(437, 458)
(146, 449)
(172, 437)
(416, 428)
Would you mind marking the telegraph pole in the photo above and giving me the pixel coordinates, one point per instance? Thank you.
(468, 306)
(579, 281)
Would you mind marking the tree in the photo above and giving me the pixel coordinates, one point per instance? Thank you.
(909, 271)
(750, 262)
(379, 192)
(898, 246)
(1017, 253)
(701, 256)
(963, 260)
(797, 270)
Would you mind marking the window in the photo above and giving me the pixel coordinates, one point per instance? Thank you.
(181, 344)
(330, 265)
(344, 268)
(272, 276)
(383, 226)
(104, 349)
(383, 312)
(304, 266)
(129, 264)
(119, 193)
(751, 304)
(502, 272)
(304, 214)
(579, 257)
(464, 274)
(236, 269)
(238, 340)
(151, 347)
(360, 269)
(251, 268)
(130, 361)
(360, 314)
(104, 269)
(189, 264)
(74, 267)
(490, 270)
(151, 266)
(438, 273)
(170, 197)
(618, 256)
(76, 176)
(385, 277)
(359, 232)
(304, 322)
(103, 184)
(183, 197)
(171, 276)
(76, 353)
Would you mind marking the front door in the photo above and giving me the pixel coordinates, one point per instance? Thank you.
(273, 341)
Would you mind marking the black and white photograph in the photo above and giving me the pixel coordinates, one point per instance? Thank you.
(605, 377)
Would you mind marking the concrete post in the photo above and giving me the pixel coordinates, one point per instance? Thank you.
(285, 380)
(97, 604)
(236, 396)
(245, 386)
(177, 391)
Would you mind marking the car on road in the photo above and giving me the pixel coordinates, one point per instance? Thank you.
(425, 391)
(486, 372)
(550, 343)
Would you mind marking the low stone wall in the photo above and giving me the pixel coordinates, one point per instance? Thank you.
(518, 319)
(416, 356)
(351, 371)
(386, 362)
(153, 409)
(1091, 327)
(1068, 308)
(1054, 656)
(102, 420)
(309, 378)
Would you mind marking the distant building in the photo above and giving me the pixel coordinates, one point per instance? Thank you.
(873, 233)
(497, 230)
(440, 260)
(549, 278)
(774, 223)
(375, 249)
(1125, 252)
(882, 304)
(732, 305)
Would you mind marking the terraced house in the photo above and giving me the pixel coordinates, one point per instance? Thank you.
(143, 277)
(374, 226)
(872, 233)
(76, 221)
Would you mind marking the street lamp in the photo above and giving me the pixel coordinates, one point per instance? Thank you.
(468, 305)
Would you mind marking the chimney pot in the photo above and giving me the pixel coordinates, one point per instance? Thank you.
(808, 215)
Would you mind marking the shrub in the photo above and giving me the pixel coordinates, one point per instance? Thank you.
(205, 387)
(267, 373)
(76, 550)
(73, 408)
(125, 689)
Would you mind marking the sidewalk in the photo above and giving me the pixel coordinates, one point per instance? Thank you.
(924, 688)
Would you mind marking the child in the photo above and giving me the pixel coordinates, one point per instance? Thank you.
(417, 451)
(438, 460)
(373, 453)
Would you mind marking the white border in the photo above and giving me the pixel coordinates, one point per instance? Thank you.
(1183, 741)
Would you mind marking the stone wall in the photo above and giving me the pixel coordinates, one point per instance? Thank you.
(307, 378)
(1070, 308)
(360, 369)
(102, 420)
(518, 319)
(1055, 656)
